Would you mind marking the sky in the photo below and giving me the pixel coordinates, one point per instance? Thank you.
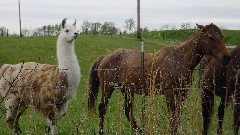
(154, 13)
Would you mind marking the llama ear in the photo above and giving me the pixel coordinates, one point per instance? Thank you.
(64, 22)
(201, 27)
(75, 22)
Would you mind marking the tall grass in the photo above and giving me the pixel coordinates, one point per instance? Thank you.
(78, 121)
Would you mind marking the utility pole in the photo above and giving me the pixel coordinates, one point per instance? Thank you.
(138, 20)
(20, 23)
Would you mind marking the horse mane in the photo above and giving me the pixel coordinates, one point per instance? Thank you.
(214, 27)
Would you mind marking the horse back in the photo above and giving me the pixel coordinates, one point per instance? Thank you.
(233, 69)
(123, 66)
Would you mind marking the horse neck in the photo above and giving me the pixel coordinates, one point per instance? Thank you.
(68, 63)
(191, 53)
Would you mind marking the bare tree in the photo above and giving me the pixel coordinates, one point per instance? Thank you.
(185, 26)
(3, 31)
(145, 29)
(25, 32)
(173, 27)
(38, 32)
(165, 27)
(86, 26)
(129, 25)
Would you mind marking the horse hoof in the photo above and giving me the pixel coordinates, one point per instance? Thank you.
(47, 129)
(100, 132)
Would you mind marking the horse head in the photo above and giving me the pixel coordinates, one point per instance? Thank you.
(210, 41)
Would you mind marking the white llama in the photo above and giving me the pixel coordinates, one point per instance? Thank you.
(46, 88)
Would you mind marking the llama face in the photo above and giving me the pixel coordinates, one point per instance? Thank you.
(69, 32)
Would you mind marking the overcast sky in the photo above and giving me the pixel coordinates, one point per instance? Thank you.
(154, 13)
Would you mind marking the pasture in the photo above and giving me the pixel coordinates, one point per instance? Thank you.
(78, 120)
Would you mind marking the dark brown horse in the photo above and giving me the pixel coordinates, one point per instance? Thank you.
(212, 82)
(167, 72)
(220, 80)
(233, 85)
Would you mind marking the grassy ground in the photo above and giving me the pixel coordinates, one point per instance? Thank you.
(78, 121)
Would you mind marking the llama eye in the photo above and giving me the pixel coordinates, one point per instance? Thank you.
(67, 30)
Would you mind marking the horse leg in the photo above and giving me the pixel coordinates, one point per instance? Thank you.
(128, 109)
(236, 113)
(207, 107)
(180, 97)
(14, 109)
(106, 95)
(221, 109)
(171, 109)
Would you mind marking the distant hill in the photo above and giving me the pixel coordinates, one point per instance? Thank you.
(231, 37)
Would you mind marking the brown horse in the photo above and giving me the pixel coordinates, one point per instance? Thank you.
(220, 80)
(233, 82)
(212, 82)
(167, 72)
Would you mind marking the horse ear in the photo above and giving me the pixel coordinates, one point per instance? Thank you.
(64, 22)
(201, 27)
(75, 22)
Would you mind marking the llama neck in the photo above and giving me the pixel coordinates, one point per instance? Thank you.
(68, 63)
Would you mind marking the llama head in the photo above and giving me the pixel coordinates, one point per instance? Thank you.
(69, 31)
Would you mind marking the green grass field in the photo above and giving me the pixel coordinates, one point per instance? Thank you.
(78, 121)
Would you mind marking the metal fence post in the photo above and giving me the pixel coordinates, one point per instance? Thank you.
(143, 85)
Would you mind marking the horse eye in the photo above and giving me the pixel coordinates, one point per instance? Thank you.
(211, 38)
(67, 30)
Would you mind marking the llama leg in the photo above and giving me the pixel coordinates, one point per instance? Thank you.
(14, 109)
(207, 107)
(128, 109)
(106, 94)
(62, 110)
(51, 128)
(49, 111)
(171, 109)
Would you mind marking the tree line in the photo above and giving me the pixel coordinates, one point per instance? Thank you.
(94, 28)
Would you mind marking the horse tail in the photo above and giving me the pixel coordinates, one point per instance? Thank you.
(93, 85)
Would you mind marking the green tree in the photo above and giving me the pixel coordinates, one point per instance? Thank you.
(44, 30)
(108, 28)
(57, 28)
